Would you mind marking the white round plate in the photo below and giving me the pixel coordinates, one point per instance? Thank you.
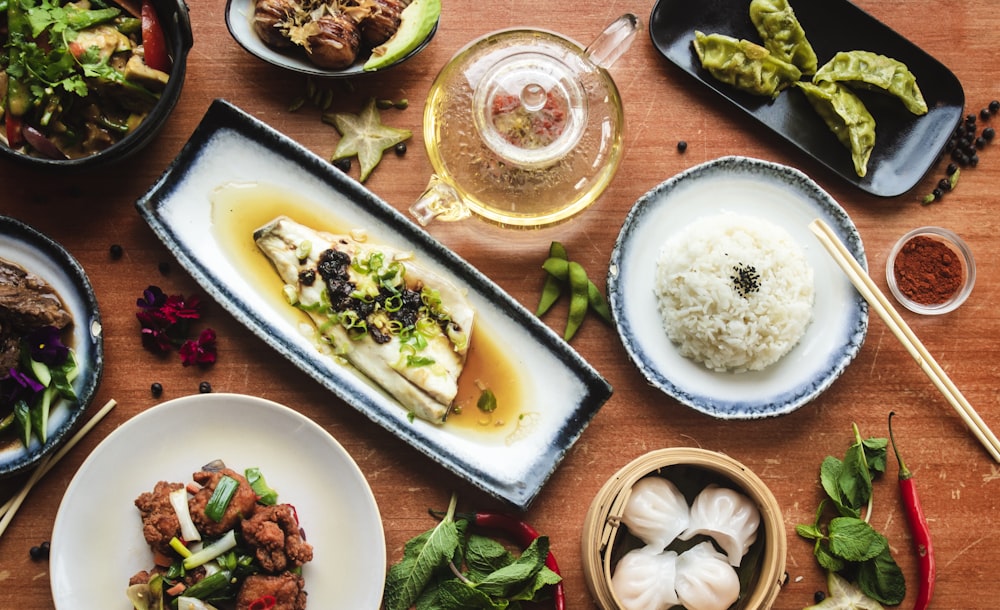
(779, 194)
(97, 542)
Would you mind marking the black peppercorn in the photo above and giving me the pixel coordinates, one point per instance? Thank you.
(40, 552)
(164, 268)
(156, 390)
(988, 134)
(343, 165)
(682, 146)
(116, 251)
(951, 169)
(400, 149)
(994, 106)
(944, 184)
(819, 596)
(980, 142)
(938, 194)
(984, 114)
(205, 387)
(974, 160)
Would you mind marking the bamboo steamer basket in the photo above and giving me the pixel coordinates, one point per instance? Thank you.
(604, 535)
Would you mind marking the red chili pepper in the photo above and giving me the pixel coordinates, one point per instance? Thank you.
(918, 528)
(521, 533)
(263, 603)
(154, 44)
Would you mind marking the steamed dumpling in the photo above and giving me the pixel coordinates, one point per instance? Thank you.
(644, 579)
(705, 580)
(726, 515)
(656, 512)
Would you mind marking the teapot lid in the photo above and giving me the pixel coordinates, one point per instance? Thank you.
(530, 108)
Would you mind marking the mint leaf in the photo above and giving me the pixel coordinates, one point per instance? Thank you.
(855, 481)
(880, 578)
(483, 556)
(826, 559)
(875, 453)
(422, 557)
(514, 577)
(829, 475)
(543, 578)
(455, 595)
(854, 540)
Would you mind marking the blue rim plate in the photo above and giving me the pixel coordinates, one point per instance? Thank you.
(231, 147)
(239, 15)
(776, 193)
(40, 255)
(906, 146)
(303, 462)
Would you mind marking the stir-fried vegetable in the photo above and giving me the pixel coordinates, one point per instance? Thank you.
(77, 80)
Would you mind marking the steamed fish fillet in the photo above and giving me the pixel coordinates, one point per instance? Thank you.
(412, 341)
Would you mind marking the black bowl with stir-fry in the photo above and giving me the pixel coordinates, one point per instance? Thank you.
(88, 83)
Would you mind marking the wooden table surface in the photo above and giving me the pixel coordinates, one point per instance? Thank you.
(957, 479)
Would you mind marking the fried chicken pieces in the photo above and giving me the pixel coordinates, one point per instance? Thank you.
(269, 534)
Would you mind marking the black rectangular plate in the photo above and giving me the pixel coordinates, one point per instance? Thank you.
(906, 146)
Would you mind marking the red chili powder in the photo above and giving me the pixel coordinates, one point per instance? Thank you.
(928, 271)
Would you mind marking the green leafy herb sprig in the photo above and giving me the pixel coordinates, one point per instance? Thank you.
(846, 543)
(449, 568)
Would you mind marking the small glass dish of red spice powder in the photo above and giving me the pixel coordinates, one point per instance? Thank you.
(930, 271)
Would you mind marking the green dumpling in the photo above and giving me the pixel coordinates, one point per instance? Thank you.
(846, 116)
(783, 34)
(874, 71)
(743, 64)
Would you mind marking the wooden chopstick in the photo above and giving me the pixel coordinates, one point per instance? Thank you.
(10, 507)
(880, 303)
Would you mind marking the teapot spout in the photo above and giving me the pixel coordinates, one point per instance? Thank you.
(613, 41)
(439, 201)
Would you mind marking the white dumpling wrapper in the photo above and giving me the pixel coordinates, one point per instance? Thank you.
(705, 580)
(728, 516)
(644, 579)
(656, 512)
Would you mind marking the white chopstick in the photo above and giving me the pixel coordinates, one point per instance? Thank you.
(10, 507)
(880, 303)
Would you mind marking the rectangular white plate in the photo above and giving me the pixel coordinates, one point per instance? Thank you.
(229, 146)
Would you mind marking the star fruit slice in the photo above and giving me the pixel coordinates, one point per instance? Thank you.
(363, 135)
(845, 595)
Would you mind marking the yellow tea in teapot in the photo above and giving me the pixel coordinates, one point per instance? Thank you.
(524, 129)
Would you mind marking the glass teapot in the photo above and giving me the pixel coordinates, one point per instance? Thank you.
(524, 127)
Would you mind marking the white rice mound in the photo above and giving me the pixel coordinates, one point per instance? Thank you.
(715, 318)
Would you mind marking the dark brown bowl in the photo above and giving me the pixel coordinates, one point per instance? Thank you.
(176, 24)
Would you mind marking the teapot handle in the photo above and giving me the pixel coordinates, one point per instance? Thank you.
(613, 41)
(439, 200)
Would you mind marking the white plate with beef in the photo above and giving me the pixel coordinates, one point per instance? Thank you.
(97, 539)
(211, 208)
(25, 253)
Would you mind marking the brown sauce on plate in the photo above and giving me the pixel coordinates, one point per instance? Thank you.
(239, 209)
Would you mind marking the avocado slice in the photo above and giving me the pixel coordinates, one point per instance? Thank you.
(416, 22)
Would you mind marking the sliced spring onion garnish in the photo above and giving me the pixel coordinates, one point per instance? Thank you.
(265, 494)
(179, 501)
(221, 498)
(211, 551)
